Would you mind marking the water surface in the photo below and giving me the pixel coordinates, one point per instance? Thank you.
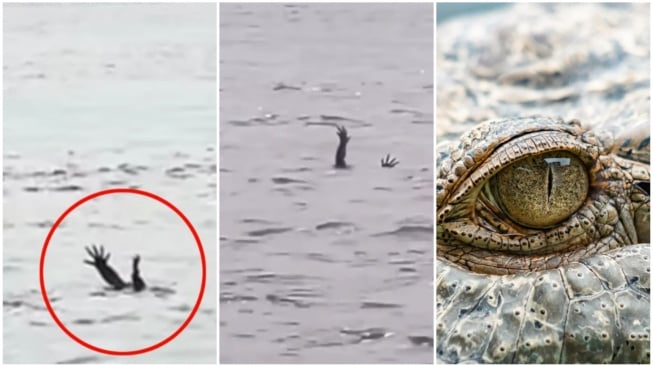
(91, 103)
(317, 264)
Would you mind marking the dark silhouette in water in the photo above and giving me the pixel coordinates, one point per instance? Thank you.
(389, 162)
(342, 148)
(137, 281)
(341, 152)
(109, 274)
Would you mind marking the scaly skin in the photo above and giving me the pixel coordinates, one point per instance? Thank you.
(577, 299)
(474, 238)
(594, 311)
(576, 291)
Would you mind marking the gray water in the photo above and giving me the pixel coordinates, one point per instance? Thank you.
(92, 103)
(317, 264)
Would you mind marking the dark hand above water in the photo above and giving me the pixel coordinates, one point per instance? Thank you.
(137, 281)
(341, 152)
(100, 260)
(389, 162)
(100, 263)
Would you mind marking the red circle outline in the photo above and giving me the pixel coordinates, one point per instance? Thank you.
(47, 300)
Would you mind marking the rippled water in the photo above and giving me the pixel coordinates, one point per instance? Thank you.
(92, 103)
(317, 264)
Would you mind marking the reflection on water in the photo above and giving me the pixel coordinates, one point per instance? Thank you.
(91, 103)
(317, 264)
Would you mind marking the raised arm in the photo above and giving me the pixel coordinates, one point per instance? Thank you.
(137, 281)
(342, 147)
(100, 263)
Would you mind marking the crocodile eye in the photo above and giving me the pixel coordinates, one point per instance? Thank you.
(541, 190)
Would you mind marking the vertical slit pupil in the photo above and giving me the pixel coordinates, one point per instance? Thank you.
(549, 186)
